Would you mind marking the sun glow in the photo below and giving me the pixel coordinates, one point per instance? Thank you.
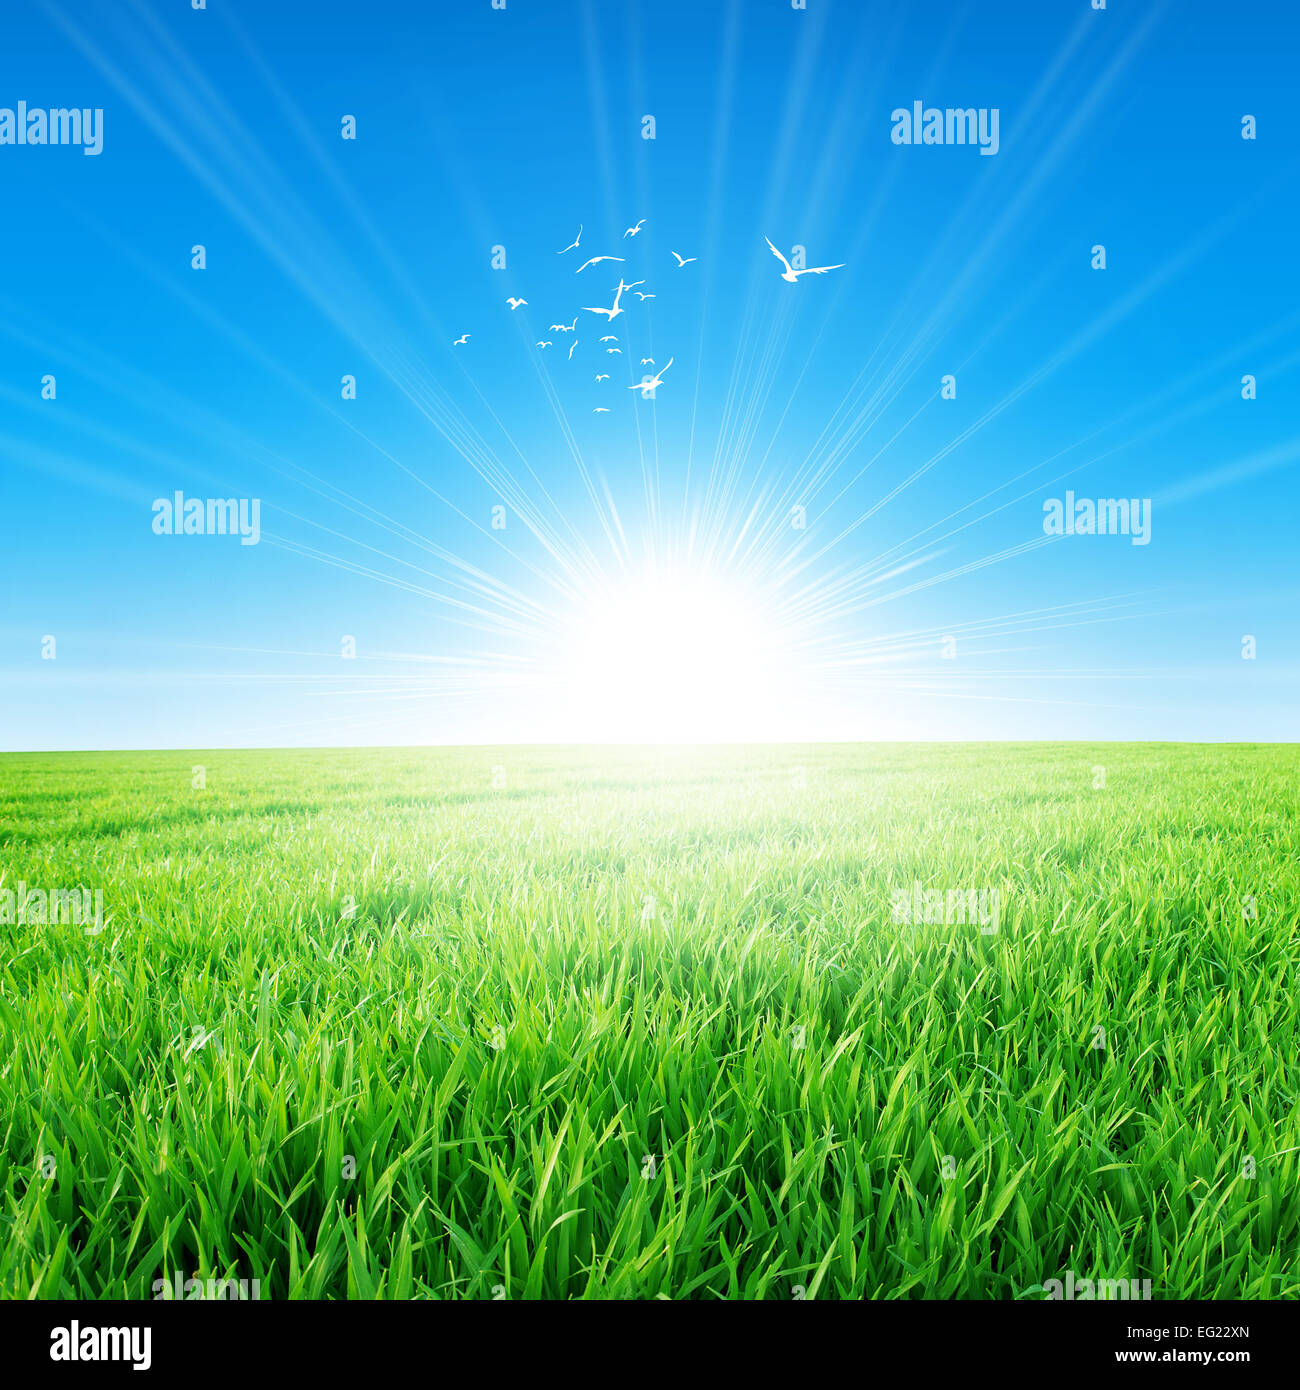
(680, 659)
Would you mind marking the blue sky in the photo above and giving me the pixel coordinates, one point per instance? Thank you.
(478, 129)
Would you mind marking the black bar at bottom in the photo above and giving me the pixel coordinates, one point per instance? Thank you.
(169, 1338)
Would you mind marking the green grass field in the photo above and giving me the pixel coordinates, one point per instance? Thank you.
(620, 1023)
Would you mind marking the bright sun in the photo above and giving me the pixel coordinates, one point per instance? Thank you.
(684, 659)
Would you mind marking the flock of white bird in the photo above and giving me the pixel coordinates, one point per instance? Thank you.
(648, 383)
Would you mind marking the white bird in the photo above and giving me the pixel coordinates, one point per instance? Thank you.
(684, 260)
(610, 314)
(515, 303)
(604, 376)
(632, 231)
(572, 345)
(600, 410)
(595, 259)
(610, 338)
(792, 275)
(639, 295)
(543, 345)
(647, 385)
(573, 244)
(565, 328)
(649, 360)
(618, 350)
(464, 338)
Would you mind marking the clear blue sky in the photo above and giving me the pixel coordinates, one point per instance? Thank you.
(479, 128)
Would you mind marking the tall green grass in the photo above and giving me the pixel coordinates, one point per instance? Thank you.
(627, 1023)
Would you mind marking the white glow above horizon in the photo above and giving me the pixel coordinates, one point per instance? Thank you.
(685, 658)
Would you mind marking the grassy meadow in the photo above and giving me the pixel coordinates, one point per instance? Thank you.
(631, 1023)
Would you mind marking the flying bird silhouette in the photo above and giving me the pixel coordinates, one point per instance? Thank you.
(604, 376)
(639, 295)
(600, 410)
(595, 259)
(543, 345)
(464, 338)
(684, 260)
(610, 314)
(565, 328)
(618, 350)
(632, 231)
(573, 244)
(572, 345)
(647, 385)
(515, 303)
(792, 275)
(610, 338)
